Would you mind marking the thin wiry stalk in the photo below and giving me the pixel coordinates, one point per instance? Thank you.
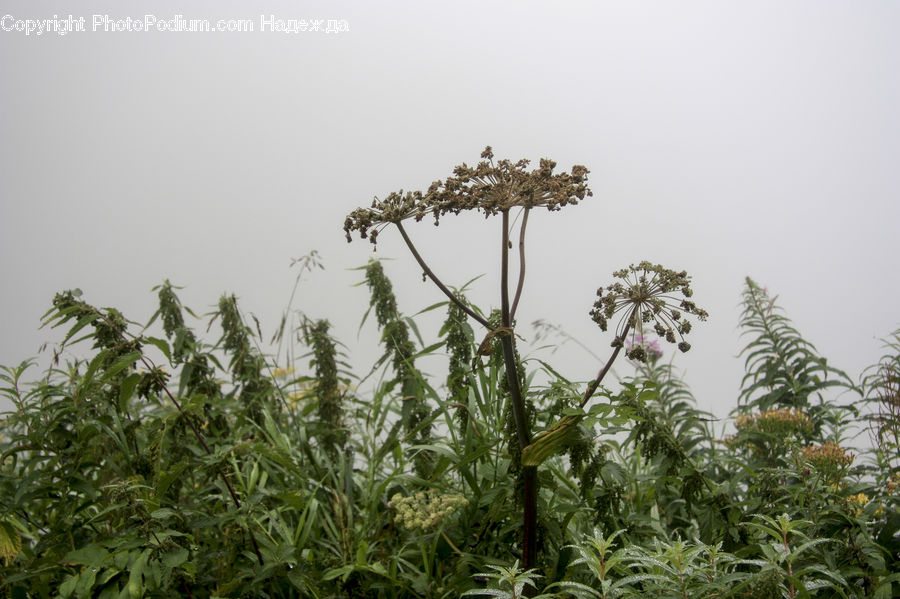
(521, 283)
(508, 346)
(592, 388)
(436, 281)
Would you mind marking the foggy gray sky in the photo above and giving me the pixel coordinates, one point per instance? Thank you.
(725, 138)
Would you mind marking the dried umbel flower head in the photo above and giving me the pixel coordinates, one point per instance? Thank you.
(648, 296)
(491, 187)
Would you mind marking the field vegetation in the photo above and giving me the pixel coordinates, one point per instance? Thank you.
(176, 457)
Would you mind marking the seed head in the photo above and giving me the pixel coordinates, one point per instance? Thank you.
(643, 348)
(646, 297)
(489, 187)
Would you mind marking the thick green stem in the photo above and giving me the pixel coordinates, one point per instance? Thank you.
(523, 434)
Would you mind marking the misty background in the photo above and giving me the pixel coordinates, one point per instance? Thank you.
(730, 139)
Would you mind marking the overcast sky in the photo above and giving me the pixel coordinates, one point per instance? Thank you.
(730, 139)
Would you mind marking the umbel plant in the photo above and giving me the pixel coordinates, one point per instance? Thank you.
(647, 297)
(179, 458)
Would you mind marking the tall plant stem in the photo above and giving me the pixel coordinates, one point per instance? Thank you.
(428, 272)
(523, 434)
(592, 388)
(521, 283)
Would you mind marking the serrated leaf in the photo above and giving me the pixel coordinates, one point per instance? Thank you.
(122, 363)
(174, 558)
(126, 389)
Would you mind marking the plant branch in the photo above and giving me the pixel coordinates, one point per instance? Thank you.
(452, 546)
(436, 281)
(521, 283)
(592, 388)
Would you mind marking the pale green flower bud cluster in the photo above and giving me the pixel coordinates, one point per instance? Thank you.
(425, 511)
(783, 422)
(828, 458)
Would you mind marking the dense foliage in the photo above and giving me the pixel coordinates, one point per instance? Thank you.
(142, 464)
(221, 474)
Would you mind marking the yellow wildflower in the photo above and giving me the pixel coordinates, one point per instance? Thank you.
(280, 373)
(856, 503)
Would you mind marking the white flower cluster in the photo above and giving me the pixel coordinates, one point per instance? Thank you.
(425, 511)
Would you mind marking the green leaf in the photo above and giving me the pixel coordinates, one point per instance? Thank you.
(68, 586)
(161, 345)
(885, 587)
(552, 371)
(89, 555)
(362, 553)
(428, 350)
(166, 479)
(88, 377)
(163, 513)
(613, 472)
(551, 441)
(415, 329)
(135, 586)
(343, 572)
(126, 389)
(85, 582)
(174, 558)
(431, 307)
(122, 363)
(84, 321)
